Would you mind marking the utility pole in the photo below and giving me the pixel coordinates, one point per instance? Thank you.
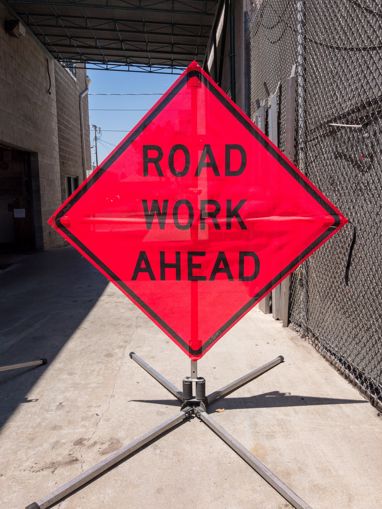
(97, 131)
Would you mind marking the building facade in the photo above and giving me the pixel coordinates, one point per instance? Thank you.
(44, 136)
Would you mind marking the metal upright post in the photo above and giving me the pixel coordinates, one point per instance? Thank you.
(301, 149)
(260, 117)
(300, 73)
(290, 152)
(194, 370)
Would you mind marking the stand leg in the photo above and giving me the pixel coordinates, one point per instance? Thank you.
(243, 380)
(84, 478)
(253, 462)
(158, 377)
(29, 364)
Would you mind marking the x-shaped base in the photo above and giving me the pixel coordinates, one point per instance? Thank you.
(192, 405)
(21, 365)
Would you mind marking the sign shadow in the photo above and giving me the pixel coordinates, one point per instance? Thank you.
(273, 399)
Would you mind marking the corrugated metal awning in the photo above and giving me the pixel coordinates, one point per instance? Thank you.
(151, 34)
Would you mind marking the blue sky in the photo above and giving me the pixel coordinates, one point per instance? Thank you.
(115, 124)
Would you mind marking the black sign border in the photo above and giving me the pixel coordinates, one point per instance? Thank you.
(260, 139)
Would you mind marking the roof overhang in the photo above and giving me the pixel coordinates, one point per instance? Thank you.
(149, 34)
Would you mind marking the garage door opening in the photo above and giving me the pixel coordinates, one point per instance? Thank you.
(20, 207)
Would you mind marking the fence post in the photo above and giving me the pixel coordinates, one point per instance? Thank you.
(290, 152)
(300, 74)
(273, 134)
(259, 119)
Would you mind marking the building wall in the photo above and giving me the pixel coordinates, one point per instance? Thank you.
(230, 51)
(73, 146)
(39, 113)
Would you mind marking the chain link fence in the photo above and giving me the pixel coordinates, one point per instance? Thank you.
(336, 45)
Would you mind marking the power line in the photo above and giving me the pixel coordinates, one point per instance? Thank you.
(127, 93)
(105, 142)
(117, 109)
(115, 131)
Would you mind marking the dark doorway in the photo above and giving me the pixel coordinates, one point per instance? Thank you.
(19, 201)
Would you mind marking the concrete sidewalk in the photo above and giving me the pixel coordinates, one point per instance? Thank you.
(302, 419)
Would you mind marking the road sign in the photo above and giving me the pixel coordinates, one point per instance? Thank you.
(196, 215)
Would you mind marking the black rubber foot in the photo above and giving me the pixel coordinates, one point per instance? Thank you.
(131, 354)
(33, 506)
(44, 361)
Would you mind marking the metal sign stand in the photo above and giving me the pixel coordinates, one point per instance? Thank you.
(194, 403)
(29, 364)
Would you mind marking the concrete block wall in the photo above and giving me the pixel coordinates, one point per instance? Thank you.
(39, 113)
(28, 116)
(73, 146)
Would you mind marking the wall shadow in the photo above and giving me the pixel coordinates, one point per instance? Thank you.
(44, 298)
